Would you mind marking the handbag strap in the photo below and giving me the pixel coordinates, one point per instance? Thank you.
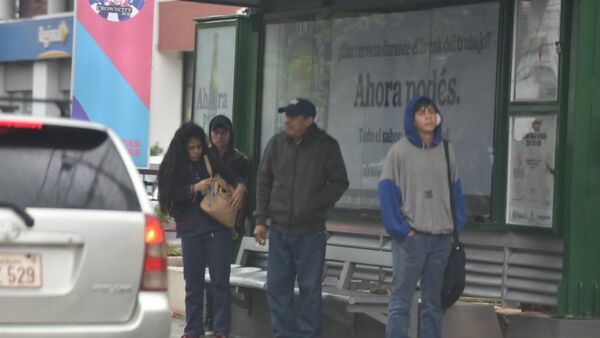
(208, 166)
(452, 208)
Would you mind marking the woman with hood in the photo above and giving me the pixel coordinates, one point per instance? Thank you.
(222, 146)
(183, 181)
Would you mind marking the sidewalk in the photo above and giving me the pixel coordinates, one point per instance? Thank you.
(178, 324)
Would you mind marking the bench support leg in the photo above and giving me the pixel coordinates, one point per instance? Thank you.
(346, 276)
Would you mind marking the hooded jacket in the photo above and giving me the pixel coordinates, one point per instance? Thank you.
(413, 187)
(232, 157)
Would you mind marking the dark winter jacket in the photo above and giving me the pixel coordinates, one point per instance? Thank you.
(190, 219)
(297, 183)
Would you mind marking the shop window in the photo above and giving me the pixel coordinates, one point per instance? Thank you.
(536, 50)
(20, 102)
(70, 5)
(29, 8)
(360, 72)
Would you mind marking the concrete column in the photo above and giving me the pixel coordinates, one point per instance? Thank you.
(7, 9)
(45, 86)
(57, 6)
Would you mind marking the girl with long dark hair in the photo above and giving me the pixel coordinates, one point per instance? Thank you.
(183, 181)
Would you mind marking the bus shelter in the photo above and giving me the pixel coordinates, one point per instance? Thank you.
(516, 82)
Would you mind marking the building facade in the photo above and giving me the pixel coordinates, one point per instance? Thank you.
(36, 44)
(35, 57)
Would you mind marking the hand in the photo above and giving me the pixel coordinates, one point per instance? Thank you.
(411, 233)
(203, 185)
(260, 234)
(238, 196)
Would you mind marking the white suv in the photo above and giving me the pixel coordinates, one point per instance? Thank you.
(80, 253)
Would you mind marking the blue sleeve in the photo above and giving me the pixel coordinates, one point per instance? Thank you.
(459, 206)
(390, 199)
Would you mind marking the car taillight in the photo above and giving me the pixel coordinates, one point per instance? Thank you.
(154, 276)
(21, 124)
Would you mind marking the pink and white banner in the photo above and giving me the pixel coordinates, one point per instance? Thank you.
(112, 68)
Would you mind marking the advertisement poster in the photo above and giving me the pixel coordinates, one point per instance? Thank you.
(112, 66)
(214, 73)
(535, 53)
(531, 170)
(379, 62)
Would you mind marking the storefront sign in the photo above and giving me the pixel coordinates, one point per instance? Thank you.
(36, 39)
(531, 174)
(112, 71)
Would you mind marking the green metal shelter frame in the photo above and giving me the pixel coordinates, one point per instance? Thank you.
(576, 212)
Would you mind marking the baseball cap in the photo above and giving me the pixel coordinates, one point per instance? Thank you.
(299, 106)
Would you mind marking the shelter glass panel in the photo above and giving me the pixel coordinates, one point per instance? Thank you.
(536, 50)
(361, 71)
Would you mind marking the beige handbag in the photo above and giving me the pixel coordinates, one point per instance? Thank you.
(217, 202)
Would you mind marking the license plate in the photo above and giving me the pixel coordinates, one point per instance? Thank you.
(20, 270)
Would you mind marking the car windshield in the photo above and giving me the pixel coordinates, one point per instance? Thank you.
(63, 167)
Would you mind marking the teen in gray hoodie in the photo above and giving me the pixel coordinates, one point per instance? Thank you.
(415, 206)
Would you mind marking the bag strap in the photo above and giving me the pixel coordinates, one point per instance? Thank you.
(208, 167)
(452, 208)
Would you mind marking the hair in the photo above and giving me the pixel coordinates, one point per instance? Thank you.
(221, 121)
(423, 102)
(173, 168)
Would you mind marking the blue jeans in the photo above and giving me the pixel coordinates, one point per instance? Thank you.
(213, 250)
(422, 256)
(291, 257)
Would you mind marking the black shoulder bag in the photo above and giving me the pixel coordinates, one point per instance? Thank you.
(454, 275)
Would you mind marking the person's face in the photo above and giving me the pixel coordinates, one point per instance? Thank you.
(296, 125)
(194, 148)
(220, 137)
(426, 120)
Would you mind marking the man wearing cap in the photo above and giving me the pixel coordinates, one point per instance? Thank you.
(301, 175)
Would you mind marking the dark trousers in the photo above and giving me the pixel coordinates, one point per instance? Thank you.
(212, 250)
(294, 257)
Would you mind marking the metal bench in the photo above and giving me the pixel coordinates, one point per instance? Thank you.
(350, 274)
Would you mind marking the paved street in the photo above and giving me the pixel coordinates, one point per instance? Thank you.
(177, 325)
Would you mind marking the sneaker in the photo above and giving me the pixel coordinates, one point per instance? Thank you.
(190, 336)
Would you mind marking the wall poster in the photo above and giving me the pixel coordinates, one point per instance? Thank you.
(214, 73)
(531, 170)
